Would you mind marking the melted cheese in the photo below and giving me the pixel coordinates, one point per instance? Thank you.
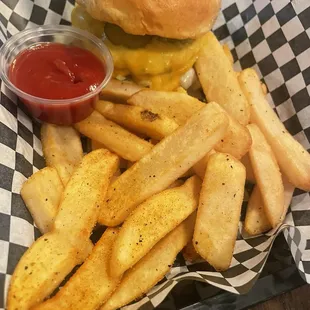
(160, 64)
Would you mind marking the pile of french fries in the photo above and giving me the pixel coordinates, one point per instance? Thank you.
(186, 164)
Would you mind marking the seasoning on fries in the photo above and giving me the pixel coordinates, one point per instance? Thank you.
(152, 221)
(291, 156)
(165, 163)
(41, 194)
(219, 210)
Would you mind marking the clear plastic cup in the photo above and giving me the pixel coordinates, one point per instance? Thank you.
(60, 111)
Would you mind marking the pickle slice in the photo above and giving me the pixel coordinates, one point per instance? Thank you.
(119, 37)
(175, 41)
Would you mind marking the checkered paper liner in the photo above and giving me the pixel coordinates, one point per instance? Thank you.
(271, 36)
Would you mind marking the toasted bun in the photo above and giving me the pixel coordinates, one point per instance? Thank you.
(179, 19)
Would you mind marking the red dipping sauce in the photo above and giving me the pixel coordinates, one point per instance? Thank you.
(58, 72)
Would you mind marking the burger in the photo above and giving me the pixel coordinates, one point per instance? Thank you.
(153, 42)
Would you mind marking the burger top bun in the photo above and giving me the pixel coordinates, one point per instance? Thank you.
(178, 19)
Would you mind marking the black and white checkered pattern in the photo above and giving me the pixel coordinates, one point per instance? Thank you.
(271, 36)
(21, 156)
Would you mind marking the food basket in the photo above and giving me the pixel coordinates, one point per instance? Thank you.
(273, 37)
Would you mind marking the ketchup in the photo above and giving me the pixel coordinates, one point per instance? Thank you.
(57, 71)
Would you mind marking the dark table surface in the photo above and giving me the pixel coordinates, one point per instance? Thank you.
(298, 299)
